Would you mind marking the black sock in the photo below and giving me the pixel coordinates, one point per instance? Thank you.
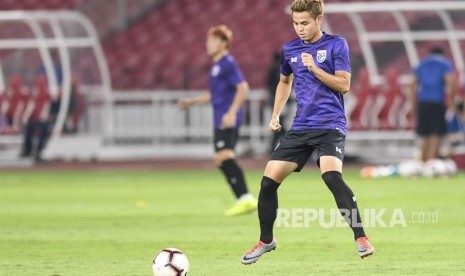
(345, 201)
(234, 176)
(267, 208)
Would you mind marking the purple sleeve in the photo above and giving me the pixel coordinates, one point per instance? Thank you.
(285, 69)
(341, 56)
(235, 74)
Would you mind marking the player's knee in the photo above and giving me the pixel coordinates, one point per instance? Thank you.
(268, 186)
(218, 161)
(331, 177)
(335, 182)
(222, 156)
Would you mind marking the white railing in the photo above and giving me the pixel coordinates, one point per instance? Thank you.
(153, 117)
(65, 32)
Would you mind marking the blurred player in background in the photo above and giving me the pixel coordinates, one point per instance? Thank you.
(36, 120)
(319, 65)
(432, 80)
(228, 91)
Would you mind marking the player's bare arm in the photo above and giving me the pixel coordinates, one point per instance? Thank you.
(339, 82)
(203, 98)
(230, 117)
(412, 94)
(283, 90)
(450, 90)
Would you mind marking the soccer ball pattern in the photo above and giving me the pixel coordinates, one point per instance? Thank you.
(170, 262)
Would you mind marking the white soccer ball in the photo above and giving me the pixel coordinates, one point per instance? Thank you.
(438, 167)
(410, 168)
(170, 262)
(451, 166)
(430, 169)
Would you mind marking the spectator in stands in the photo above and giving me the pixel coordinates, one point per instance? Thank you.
(272, 82)
(36, 120)
(228, 91)
(431, 82)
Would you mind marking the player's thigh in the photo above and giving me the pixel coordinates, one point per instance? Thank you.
(225, 139)
(279, 170)
(439, 124)
(330, 163)
(331, 151)
(293, 148)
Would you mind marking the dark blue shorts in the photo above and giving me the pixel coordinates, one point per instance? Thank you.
(297, 146)
(431, 119)
(225, 138)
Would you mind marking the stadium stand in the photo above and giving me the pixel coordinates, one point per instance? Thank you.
(39, 4)
(154, 49)
(162, 37)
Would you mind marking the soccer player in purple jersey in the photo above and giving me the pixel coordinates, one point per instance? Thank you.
(228, 91)
(318, 64)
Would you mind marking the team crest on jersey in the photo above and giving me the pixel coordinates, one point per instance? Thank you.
(321, 56)
(215, 70)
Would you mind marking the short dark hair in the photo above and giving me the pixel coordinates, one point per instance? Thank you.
(314, 7)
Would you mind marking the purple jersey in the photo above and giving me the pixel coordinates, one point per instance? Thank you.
(318, 106)
(225, 75)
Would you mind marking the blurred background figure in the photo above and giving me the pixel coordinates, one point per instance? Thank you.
(432, 83)
(228, 91)
(74, 111)
(12, 105)
(36, 120)
(56, 67)
(455, 128)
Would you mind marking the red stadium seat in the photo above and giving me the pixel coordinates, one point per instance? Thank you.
(150, 33)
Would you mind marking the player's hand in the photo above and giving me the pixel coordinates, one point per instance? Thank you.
(308, 61)
(274, 125)
(229, 120)
(184, 103)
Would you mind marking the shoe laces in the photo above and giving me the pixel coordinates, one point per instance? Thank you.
(363, 241)
(257, 246)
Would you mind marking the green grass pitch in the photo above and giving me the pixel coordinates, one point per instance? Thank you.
(113, 223)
